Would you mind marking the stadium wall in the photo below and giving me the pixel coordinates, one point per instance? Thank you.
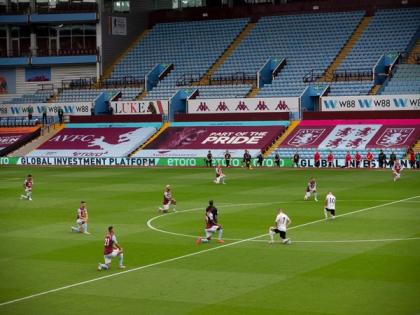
(260, 10)
(136, 22)
(361, 115)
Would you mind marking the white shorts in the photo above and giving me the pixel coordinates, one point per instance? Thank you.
(166, 207)
(80, 221)
(109, 257)
(211, 230)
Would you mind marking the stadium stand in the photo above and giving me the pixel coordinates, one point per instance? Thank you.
(405, 80)
(312, 43)
(192, 47)
(78, 95)
(12, 138)
(388, 31)
(40, 96)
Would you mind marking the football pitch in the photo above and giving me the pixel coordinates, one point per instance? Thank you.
(366, 261)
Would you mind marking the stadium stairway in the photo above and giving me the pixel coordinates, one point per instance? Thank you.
(254, 91)
(247, 29)
(412, 59)
(32, 145)
(142, 95)
(151, 139)
(287, 132)
(374, 90)
(107, 73)
(328, 76)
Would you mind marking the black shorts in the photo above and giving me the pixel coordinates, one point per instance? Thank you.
(332, 211)
(282, 233)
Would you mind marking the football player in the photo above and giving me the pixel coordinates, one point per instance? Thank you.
(282, 222)
(167, 201)
(311, 189)
(82, 219)
(220, 177)
(329, 205)
(211, 226)
(396, 170)
(111, 249)
(27, 186)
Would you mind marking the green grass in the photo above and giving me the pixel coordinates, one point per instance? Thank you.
(38, 252)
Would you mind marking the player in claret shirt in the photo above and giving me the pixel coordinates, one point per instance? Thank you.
(167, 200)
(81, 219)
(111, 249)
(27, 186)
(311, 189)
(396, 170)
(211, 225)
(220, 177)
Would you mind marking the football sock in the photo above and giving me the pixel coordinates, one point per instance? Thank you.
(85, 227)
(75, 229)
(24, 197)
(121, 259)
(204, 240)
(174, 208)
(271, 233)
(316, 196)
(326, 214)
(220, 234)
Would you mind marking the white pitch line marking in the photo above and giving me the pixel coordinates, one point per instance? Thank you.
(186, 256)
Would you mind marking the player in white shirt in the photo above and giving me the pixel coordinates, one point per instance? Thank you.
(329, 205)
(311, 189)
(396, 170)
(282, 222)
(220, 177)
(167, 200)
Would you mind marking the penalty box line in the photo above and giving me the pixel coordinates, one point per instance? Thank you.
(188, 255)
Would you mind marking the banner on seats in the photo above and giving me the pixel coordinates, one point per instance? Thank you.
(140, 107)
(17, 110)
(243, 105)
(370, 103)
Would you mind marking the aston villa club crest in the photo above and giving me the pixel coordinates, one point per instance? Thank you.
(305, 137)
(392, 137)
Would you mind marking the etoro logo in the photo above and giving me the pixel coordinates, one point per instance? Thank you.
(261, 106)
(241, 106)
(222, 107)
(203, 107)
(282, 106)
